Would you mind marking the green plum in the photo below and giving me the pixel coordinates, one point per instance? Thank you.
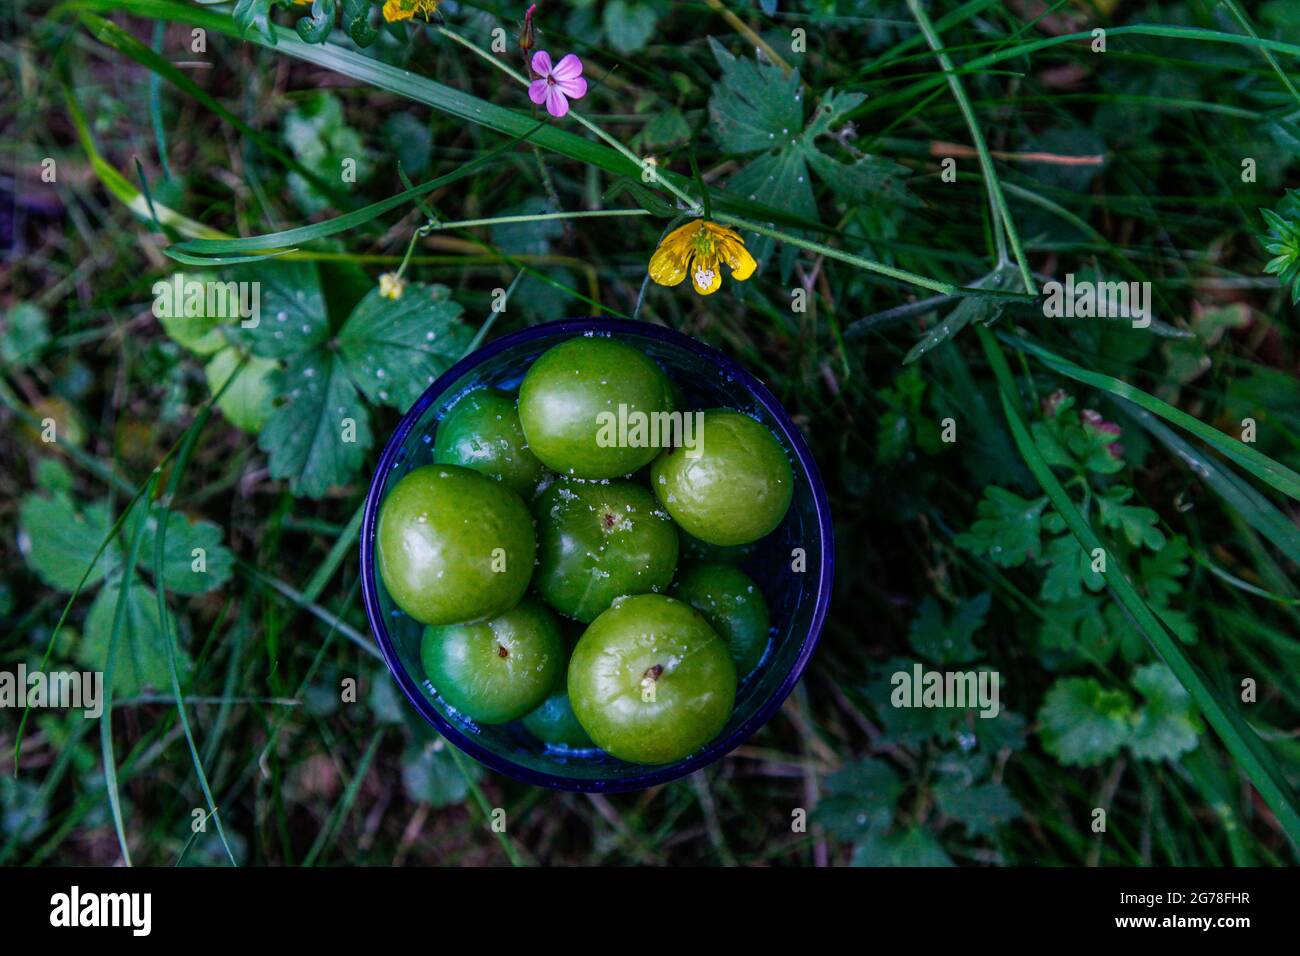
(736, 490)
(598, 541)
(497, 671)
(554, 722)
(453, 546)
(565, 392)
(482, 432)
(650, 681)
(733, 604)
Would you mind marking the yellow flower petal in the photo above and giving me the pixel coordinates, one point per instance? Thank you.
(738, 259)
(668, 265)
(395, 10)
(706, 276)
(722, 232)
(682, 234)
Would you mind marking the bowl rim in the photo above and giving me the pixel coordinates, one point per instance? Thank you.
(651, 775)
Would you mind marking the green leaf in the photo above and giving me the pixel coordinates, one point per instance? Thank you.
(254, 14)
(1008, 528)
(316, 27)
(430, 775)
(25, 332)
(780, 177)
(943, 640)
(200, 332)
(249, 401)
(395, 348)
(318, 438)
(1070, 570)
(1261, 466)
(629, 25)
(1167, 725)
(969, 311)
(184, 535)
(857, 799)
(1082, 723)
(356, 17)
(318, 134)
(1138, 523)
(59, 540)
(755, 106)
(292, 316)
(832, 108)
(981, 808)
(911, 847)
(141, 657)
(666, 128)
(53, 476)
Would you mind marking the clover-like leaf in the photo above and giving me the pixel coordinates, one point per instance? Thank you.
(1167, 724)
(1082, 723)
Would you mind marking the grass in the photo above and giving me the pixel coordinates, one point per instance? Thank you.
(1181, 658)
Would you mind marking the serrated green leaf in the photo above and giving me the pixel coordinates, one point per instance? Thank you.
(1138, 523)
(59, 540)
(1167, 724)
(779, 177)
(141, 660)
(181, 565)
(980, 807)
(292, 315)
(911, 847)
(943, 640)
(1069, 570)
(831, 109)
(857, 799)
(395, 348)
(1008, 528)
(1082, 723)
(755, 106)
(318, 438)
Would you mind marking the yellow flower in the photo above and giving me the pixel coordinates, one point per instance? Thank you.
(405, 9)
(391, 285)
(700, 248)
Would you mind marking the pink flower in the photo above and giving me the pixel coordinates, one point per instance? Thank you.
(555, 85)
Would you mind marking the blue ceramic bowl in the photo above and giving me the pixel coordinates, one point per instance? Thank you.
(797, 599)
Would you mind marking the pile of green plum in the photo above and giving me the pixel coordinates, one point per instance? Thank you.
(530, 510)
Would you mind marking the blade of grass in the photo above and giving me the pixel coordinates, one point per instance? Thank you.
(1257, 511)
(159, 577)
(106, 719)
(326, 835)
